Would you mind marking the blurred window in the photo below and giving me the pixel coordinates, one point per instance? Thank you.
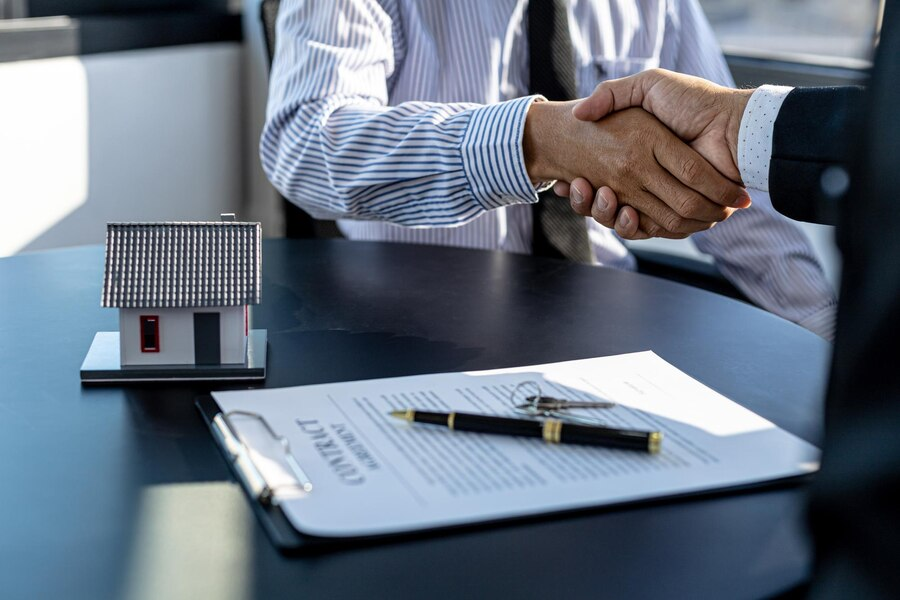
(815, 30)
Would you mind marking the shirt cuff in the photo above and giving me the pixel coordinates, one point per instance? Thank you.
(755, 137)
(492, 155)
(822, 322)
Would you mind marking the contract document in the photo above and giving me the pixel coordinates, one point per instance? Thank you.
(373, 474)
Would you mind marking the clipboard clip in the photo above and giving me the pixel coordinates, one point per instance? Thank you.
(251, 477)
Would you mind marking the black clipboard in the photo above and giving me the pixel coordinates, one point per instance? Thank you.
(288, 540)
(262, 499)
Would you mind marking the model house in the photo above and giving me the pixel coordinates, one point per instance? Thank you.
(183, 290)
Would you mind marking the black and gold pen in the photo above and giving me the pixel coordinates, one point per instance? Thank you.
(552, 430)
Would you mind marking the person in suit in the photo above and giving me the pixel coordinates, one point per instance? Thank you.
(832, 157)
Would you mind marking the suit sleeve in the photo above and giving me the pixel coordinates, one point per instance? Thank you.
(811, 147)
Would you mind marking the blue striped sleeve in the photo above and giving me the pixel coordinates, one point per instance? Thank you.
(496, 131)
(332, 145)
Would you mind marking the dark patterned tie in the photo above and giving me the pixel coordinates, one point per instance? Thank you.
(557, 231)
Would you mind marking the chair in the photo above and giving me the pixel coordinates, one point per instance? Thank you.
(297, 222)
(268, 14)
(685, 270)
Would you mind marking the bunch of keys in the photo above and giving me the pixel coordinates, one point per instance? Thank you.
(535, 404)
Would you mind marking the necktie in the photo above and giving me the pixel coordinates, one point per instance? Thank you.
(557, 231)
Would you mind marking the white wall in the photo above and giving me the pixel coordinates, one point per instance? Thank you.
(141, 135)
(176, 335)
(43, 147)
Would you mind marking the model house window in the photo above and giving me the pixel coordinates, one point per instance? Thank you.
(150, 334)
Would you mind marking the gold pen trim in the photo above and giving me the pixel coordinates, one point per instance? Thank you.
(552, 431)
(451, 419)
(654, 442)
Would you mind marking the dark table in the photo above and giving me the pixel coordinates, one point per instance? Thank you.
(121, 492)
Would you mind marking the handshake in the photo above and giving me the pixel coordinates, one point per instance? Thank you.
(659, 148)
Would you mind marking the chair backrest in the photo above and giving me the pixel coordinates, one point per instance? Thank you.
(297, 223)
(268, 13)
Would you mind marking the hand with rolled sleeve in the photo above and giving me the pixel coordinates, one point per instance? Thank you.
(335, 144)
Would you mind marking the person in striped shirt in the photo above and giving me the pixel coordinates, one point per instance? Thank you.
(406, 118)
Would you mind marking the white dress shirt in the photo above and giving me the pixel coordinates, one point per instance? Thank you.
(405, 118)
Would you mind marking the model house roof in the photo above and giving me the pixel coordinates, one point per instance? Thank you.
(163, 265)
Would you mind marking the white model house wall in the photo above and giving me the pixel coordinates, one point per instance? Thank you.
(176, 335)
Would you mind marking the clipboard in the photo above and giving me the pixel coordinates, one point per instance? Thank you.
(285, 537)
(263, 501)
(288, 540)
(260, 496)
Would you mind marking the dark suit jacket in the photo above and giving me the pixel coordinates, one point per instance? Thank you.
(855, 507)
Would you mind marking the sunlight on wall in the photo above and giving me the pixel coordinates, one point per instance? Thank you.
(43, 161)
(141, 135)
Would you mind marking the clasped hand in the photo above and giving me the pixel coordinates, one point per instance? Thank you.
(664, 186)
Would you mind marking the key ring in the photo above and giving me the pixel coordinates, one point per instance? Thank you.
(527, 399)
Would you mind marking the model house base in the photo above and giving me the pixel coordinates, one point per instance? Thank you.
(184, 292)
(103, 364)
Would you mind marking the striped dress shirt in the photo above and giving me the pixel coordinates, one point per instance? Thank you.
(404, 118)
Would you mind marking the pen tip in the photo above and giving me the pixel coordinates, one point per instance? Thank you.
(407, 415)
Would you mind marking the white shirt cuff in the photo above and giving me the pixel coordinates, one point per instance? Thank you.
(755, 137)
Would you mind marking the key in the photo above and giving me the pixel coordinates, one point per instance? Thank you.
(543, 403)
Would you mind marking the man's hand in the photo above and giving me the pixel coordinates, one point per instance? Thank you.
(602, 206)
(674, 191)
(703, 114)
